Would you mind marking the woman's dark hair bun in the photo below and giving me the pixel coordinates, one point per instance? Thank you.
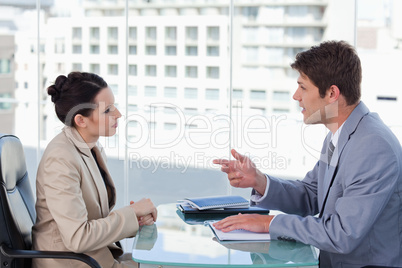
(56, 89)
(70, 92)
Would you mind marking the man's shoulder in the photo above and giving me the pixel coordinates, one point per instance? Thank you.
(373, 125)
(375, 136)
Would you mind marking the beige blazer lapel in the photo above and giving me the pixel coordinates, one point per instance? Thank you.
(89, 161)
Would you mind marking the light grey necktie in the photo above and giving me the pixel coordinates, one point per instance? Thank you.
(331, 148)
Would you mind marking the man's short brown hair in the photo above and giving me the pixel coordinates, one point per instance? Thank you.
(332, 63)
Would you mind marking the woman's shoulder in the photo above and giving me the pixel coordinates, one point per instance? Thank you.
(59, 157)
(60, 142)
(60, 147)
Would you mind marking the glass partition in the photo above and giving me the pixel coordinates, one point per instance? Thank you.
(193, 79)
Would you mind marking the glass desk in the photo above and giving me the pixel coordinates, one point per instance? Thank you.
(179, 240)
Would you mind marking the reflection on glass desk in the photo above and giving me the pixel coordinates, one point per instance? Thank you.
(179, 240)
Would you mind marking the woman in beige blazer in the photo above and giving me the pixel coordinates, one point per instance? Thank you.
(75, 192)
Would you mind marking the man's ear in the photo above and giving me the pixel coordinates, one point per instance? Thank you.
(80, 121)
(334, 93)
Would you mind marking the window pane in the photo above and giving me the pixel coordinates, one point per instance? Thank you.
(237, 94)
(150, 33)
(170, 92)
(271, 56)
(212, 94)
(77, 67)
(192, 33)
(170, 34)
(170, 126)
(59, 46)
(94, 68)
(132, 33)
(5, 66)
(190, 111)
(170, 50)
(213, 72)
(5, 102)
(191, 71)
(150, 70)
(113, 33)
(132, 50)
(170, 71)
(213, 33)
(190, 93)
(94, 49)
(132, 108)
(250, 54)
(150, 50)
(113, 49)
(281, 96)
(77, 33)
(94, 33)
(258, 95)
(150, 91)
(77, 49)
(113, 69)
(213, 51)
(191, 50)
(132, 69)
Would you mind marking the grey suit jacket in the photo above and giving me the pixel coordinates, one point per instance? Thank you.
(73, 205)
(361, 222)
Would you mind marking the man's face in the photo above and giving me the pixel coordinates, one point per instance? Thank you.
(309, 99)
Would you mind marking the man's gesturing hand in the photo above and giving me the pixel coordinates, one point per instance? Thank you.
(242, 172)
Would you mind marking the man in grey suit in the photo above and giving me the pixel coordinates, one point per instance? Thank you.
(350, 204)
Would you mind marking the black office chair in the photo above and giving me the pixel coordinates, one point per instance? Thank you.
(374, 266)
(17, 211)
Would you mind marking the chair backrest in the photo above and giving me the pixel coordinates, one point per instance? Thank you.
(17, 209)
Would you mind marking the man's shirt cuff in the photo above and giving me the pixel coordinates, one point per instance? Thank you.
(257, 197)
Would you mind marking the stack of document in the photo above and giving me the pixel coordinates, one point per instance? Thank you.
(238, 235)
(218, 204)
(214, 202)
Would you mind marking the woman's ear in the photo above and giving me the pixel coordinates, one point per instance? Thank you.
(80, 121)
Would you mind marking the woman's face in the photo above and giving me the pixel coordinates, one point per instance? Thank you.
(103, 120)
